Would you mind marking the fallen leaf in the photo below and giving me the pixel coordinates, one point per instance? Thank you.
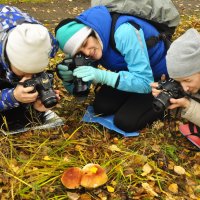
(146, 169)
(173, 188)
(196, 169)
(110, 189)
(179, 170)
(73, 196)
(149, 190)
(47, 158)
(85, 197)
(114, 148)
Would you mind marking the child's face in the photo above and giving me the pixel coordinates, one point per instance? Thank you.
(91, 48)
(190, 84)
(19, 73)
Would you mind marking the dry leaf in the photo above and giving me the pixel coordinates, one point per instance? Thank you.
(85, 197)
(196, 169)
(73, 196)
(173, 188)
(149, 190)
(146, 169)
(156, 148)
(114, 148)
(179, 170)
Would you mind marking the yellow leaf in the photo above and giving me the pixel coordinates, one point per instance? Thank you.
(196, 169)
(173, 188)
(110, 189)
(149, 190)
(14, 168)
(113, 183)
(146, 169)
(47, 158)
(114, 148)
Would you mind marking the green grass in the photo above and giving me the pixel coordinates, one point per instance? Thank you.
(32, 163)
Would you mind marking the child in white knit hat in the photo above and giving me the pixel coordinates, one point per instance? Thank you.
(183, 64)
(25, 49)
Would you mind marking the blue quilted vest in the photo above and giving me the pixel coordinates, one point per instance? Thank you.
(156, 54)
(99, 19)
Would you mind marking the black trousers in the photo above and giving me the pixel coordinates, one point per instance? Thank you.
(18, 117)
(132, 111)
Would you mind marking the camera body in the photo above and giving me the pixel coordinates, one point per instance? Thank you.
(170, 89)
(80, 87)
(43, 84)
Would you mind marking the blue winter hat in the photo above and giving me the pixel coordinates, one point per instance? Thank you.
(71, 35)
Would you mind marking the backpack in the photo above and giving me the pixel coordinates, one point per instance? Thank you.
(162, 14)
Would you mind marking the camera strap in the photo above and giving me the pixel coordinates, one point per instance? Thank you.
(192, 97)
(11, 82)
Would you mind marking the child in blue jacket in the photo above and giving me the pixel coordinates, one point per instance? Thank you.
(25, 49)
(125, 91)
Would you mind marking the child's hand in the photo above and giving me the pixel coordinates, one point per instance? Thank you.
(155, 91)
(57, 94)
(22, 94)
(176, 103)
(39, 106)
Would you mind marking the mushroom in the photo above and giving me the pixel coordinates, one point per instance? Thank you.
(93, 175)
(71, 177)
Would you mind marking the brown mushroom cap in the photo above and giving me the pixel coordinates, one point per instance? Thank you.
(71, 177)
(93, 176)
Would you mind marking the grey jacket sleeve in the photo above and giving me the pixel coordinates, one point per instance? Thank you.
(192, 113)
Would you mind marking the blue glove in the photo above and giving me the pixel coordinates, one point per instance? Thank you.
(89, 73)
(67, 77)
(64, 72)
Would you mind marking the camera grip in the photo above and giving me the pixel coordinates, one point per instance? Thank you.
(29, 83)
(64, 69)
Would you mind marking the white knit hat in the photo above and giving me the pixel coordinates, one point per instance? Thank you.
(28, 47)
(183, 56)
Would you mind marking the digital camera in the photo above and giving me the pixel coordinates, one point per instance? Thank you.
(170, 89)
(80, 87)
(43, 84)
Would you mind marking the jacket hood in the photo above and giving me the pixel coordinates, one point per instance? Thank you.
(98, 18)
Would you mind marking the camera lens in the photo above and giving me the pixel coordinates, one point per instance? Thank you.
(161, 102)
(80, 88)
(158, 106)
(50, 102)
(48, 98)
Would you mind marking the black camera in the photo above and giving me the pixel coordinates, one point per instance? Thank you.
(80, 87)
(170, 89)
(43, 84)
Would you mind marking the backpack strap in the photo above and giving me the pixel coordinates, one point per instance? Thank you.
(150, 42)
(115, 17)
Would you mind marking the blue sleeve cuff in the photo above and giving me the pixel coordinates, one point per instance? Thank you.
(8, 100)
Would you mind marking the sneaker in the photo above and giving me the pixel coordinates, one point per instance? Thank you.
(50, 120)
(46, 121)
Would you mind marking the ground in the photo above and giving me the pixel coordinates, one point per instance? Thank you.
(160, 164)
(52, 12)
